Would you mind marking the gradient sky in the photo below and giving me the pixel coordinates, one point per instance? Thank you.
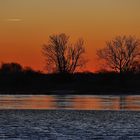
(26, 24)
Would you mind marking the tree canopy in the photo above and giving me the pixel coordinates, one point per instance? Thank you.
(62, 56)
(121, 54)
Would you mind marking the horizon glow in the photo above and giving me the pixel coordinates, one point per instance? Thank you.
(26, 24)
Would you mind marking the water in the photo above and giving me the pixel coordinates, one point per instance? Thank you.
(66, 117)
(72, 102)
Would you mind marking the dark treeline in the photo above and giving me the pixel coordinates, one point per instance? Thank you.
(63, 59)
(16, 79)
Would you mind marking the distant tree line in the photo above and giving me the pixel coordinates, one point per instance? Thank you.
(14, 79)
(63, 61)
(15, 68)
(17, 80)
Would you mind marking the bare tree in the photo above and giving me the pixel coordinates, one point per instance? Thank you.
(63, 57)
(121, 53)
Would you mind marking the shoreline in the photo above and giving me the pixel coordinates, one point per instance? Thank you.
(71, 92)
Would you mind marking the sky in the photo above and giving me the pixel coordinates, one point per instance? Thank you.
(25, 26)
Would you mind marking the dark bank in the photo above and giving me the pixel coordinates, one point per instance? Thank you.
(14, 79)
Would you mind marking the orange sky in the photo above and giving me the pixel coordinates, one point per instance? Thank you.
(26, 24)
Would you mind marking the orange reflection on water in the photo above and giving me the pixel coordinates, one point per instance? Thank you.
(26, 102)
(131, 102)
(76, 102)
(96, 103)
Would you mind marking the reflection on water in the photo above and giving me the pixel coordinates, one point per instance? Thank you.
(76, 102)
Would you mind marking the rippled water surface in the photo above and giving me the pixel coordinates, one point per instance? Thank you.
(74, 102)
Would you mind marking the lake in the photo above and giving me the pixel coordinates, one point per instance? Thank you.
(70, 102)
(69, 117)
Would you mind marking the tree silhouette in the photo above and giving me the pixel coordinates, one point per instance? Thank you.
(121, 53)
(62, 57)
(10, 68)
